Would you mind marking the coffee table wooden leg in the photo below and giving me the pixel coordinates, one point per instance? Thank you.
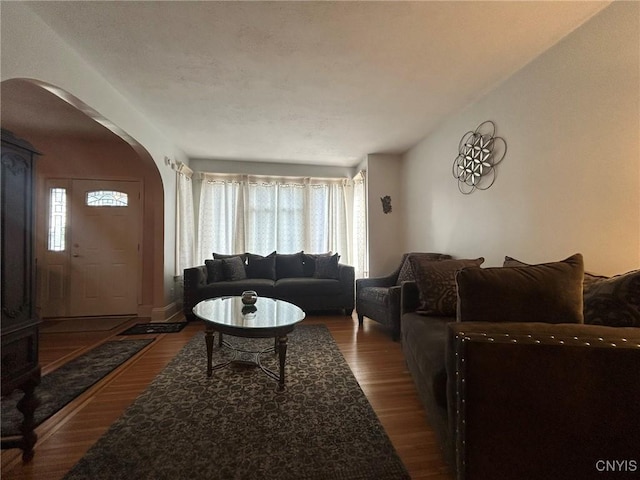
(208, 338)
(282, 356)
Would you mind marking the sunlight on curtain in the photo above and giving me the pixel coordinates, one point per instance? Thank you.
(338, 229)
(221, 222)
(274, 216)
(360, 237)
(185, 221)
(263, 214)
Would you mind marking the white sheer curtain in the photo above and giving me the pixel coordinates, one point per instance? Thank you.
(360, 235)
(263, 214)
(185, 221)
(220, 222)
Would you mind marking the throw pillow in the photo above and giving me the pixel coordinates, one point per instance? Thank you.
(436, 283)
(289, 265)
(243, 256)
(327, 267)
(215, 271)
(614, 301)
(512, 262)
(261, 267)
(309, 262)
(406, 272)
(547, 292)
(234, 268)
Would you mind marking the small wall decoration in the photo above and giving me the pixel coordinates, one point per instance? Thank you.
(479, 152)
(386, 203)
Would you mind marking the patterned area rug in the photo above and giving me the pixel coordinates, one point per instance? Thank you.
(235, 425)
(159, 327)
(67, 382)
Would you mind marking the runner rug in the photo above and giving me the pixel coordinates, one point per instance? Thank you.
(157, 327)
(61, 386)
(235, 425)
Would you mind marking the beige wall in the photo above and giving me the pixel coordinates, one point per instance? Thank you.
(570, 181)
(386, 231)
(269, 168)
(77, 158)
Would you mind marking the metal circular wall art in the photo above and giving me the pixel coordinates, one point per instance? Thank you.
(478, 154)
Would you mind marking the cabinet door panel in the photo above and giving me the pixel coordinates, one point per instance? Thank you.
(17, 246)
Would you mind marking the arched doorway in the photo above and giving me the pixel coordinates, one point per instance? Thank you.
(78, 145)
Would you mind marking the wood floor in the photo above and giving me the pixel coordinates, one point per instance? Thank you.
(375, 360)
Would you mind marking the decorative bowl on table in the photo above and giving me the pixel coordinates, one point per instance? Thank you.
(249, 297)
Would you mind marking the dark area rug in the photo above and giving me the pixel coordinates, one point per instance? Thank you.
(67, 382)
(142, 328)
(235, 425)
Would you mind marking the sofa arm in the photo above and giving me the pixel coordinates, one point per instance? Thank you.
(387, 281)
(394, 310)
(194, 279)
(409, 297)
(538, 400)
(347, 275)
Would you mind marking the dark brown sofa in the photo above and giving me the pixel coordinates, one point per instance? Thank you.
(544, 401)
(532, 400)
(294, 278)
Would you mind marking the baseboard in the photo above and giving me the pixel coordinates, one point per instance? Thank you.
(163, 313)
(144, 311)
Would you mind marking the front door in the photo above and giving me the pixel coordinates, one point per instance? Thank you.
(95, 270)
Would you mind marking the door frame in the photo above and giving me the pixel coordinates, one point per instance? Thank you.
(44, 183)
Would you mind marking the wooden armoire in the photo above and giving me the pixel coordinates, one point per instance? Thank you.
(20, 323)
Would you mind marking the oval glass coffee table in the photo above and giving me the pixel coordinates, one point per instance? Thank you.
(267, 318)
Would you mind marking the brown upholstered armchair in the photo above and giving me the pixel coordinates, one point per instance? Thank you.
(378, 298)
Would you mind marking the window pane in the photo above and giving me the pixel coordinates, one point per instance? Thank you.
(107, 198)
(57, 219)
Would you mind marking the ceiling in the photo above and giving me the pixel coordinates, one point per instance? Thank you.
(322, 83)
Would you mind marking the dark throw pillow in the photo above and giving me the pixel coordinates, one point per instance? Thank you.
(614, 301)
(289, 265)
(547, 292)
(610, 301)
(436, 281)
(327, 267)
(215, 270)
(261, 267)
(234, 268)
(406, 272)
(243, 256)
(309, 262)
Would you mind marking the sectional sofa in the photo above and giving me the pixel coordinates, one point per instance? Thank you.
(526, 371)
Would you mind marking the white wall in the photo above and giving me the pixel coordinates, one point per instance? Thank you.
(570, 181)
(386, 230)
(269, 168)
(30, 49)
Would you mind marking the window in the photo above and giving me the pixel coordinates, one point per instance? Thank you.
(263, 214)
(57, 219)
(107, 198)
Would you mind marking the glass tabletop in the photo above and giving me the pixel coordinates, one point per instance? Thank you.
(266, 313)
